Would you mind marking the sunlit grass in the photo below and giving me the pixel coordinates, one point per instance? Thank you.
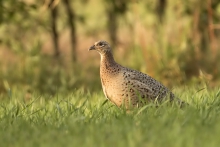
(81, 119)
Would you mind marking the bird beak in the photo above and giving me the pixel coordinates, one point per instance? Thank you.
(92, 48)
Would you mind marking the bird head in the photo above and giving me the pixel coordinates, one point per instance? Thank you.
(101, 46)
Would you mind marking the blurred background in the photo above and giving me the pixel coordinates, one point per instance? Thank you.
(44, 43)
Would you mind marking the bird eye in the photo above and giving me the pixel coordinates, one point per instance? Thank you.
(101, 44)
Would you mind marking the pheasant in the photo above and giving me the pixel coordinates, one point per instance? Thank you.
(124, 86)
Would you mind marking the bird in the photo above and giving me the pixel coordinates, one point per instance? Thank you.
(124, 86)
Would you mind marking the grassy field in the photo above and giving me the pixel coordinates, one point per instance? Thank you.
(81, 119)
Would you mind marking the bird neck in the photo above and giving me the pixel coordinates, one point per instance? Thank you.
(107, 61)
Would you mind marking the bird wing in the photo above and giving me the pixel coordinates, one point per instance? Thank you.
(145, 84)
(149, 86)
(147, 92)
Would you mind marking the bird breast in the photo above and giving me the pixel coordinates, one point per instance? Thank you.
(112, 84)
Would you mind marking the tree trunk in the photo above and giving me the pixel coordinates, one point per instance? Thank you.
(53, 9)
(112, 26)
(72, 25)
(161, 6)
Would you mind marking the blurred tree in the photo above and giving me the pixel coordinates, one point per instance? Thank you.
(55, 35)
(114, 8)
(203, 35)
(72, 25)
(203, 18)
(213, 21)
(16, 22)
(160, 9)
(53, 5)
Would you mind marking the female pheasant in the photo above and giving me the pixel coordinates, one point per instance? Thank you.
(124, 86)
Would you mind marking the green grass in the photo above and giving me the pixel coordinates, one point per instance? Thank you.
(81, 119)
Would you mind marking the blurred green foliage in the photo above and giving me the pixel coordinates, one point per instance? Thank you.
(184, 46)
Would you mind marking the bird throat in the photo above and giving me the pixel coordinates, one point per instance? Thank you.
(107, 61)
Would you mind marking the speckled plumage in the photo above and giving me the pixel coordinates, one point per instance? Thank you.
(124, 86)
